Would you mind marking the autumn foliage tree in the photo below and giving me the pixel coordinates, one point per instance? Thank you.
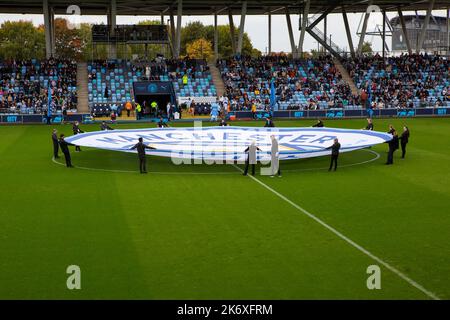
(69, 42)
(21, 40)
(200, 49)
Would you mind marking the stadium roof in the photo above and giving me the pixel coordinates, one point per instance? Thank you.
(207, 7)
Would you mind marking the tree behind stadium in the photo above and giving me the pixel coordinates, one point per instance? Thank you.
(21, 40)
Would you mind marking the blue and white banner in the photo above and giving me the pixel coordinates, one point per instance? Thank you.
(229, 143)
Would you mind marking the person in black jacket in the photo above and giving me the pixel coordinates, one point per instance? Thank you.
(269, 123)
(55, 144)
(105, 127)
(369, 125)
(391, 129)
(393, 145)
(334, 154)
(140, 147)
(161, 123)
(319, 124)
(65, 150)
(404, 139)
(76, 130)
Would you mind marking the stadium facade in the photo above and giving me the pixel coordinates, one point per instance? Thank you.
(436, 37)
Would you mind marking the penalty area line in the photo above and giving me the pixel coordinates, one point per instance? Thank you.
(346, 239)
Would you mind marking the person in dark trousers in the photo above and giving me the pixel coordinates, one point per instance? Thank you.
(161, 123)
(334, 154)
(55, 144)
(105, 127)
(393, 145)
(140, 147)
(404, 139)
(369, 125)
(48, 119)
(391, 129)
(223, 123)
(76, 130)
(106, 95)
(319, 124)
(269, 123)
(251, 158)
(65, 150)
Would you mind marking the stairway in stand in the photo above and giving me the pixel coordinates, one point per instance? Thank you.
(346, 76)
(82, 88)
(217, 79)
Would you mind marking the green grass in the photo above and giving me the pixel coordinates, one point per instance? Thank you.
(223, 236)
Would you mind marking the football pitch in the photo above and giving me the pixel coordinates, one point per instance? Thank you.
(208, 232)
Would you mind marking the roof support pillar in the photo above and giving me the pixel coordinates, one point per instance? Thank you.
(216, 37)
(111, 17)
(423, 32)
(291, 34)
(172, 33)
(52, 29)
(404, 31)
(232, 31)
(178, 35)
(348, 32)
(384, 34)
(303, 26)
(364, 30)
(242, 27)
(448, 32)
(269, 16)
(48, 28)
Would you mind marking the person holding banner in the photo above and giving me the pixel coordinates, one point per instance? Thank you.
(391, 129)
(393, 146)
(105, 127)
(65, 150)
(275, 158)
(319, 124)
(140, 147)
(334, 154)
(404, 139)
(76, 130)
(369, 125)
(269, 123)
(162, 124)
(251, 158)
(55, 144)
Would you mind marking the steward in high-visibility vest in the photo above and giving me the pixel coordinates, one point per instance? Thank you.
(138, 110)
(154, 106)
(185, 80)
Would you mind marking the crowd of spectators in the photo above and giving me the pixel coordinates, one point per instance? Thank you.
(299, 84)
(156, 69)
(24, 86)
(406, 81)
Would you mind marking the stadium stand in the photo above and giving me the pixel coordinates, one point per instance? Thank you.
(406, 81)
(306, 84)
(24, 86)
(111, 82)
(300, 84)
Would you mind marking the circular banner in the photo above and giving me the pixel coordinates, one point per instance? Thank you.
(229, 143)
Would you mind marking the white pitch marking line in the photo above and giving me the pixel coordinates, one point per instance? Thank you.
(221, 173)
(348, 240)
(377, 156)
(151, 172)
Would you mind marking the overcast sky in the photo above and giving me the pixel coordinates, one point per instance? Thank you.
(257, 28)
